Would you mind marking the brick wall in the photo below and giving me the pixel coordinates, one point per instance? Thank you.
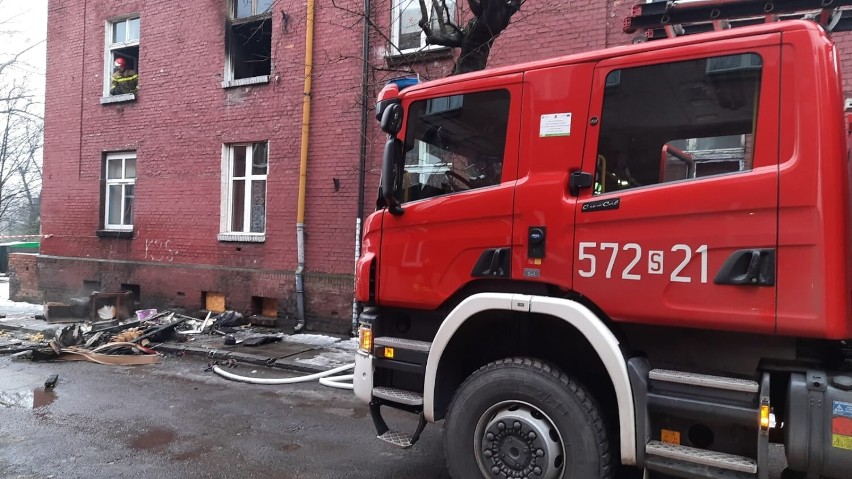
(177, 127)
(183, 116)
(23, 278)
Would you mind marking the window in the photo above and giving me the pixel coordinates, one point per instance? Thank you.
(454, 143)
(120, 174)
(244, 215)
(122, 47)
(406, 34)
(249, 42)
(678, 121)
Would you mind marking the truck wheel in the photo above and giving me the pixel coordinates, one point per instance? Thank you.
(520, 417)
(788, 473)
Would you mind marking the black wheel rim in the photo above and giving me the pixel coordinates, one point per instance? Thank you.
(514, 439)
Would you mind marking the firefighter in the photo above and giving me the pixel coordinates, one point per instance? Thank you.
(484, 171)
(124, 79)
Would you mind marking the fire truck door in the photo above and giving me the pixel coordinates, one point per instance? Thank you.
(456, 190)
(552, 137)
(679, 227)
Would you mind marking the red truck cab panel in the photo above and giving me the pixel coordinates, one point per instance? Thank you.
(814, 289)
(553, 127)
(450, 219)
(658, 227)
(713, 185)
(367, 264)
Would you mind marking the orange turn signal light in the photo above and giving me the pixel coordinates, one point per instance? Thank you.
(365, 339)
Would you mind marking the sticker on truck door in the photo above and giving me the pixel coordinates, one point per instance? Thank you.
(555, 124)
(597, 260)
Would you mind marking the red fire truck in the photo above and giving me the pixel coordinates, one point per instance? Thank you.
(636, 257)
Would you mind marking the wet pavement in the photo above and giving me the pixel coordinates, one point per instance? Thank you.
(174, 419)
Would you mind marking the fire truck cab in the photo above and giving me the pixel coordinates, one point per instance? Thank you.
(637, 256)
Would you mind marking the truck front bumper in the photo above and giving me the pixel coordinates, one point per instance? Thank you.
(363, 376)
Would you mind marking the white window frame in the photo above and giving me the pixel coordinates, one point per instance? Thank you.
(123, 182)
(395, 28)
(228, 80)
(226, 206)
(233, 9)
(109, 46)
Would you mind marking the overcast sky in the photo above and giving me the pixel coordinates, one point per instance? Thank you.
(23, 23)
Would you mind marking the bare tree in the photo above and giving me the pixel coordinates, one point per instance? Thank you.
(490, 18)
(21, 136)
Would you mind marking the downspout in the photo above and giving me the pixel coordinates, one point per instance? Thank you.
(362, 158)
(303, 169)
(82, 91)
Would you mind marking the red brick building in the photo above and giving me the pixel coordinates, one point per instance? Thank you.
(182, 184)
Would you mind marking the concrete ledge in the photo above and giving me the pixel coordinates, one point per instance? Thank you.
(30, 326)
(106, 100)
(257, 360)
(242, 237)
(258, 80)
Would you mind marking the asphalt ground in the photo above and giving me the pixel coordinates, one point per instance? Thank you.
(175, 419)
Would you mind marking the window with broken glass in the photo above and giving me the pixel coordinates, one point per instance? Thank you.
(249, 42)
(122, 47)
(120, 180)
(247, 169)
(406, 34)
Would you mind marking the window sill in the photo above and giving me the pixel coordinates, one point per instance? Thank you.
(242, 237)
(117, 234)
(246, 81)
(106, 100)
(420, 55)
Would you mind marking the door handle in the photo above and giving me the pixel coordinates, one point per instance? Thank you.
(578, 180)
(748, 267)
(493, 262)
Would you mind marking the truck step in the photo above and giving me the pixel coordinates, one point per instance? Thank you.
(703, 457)
(400, 343)
(398, 439)
(399, 396)
(706, 408)
(704, 380)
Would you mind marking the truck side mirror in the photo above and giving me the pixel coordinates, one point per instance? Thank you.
(393, 151)
(392, 119)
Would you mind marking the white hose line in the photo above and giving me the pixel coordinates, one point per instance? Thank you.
(337, 381)
(299, 379)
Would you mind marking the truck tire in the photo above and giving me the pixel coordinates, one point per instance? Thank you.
(520, 417)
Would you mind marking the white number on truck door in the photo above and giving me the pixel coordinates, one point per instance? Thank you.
(679, 255)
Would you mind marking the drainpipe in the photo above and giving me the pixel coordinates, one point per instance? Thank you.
(303, 168)
(362, 158)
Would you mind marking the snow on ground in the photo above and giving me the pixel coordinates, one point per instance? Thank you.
(328, 360)
(350, 345)
(13, 308)
(10, 308)
(317, 340)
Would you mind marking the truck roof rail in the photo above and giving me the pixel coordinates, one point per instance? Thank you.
(668, 19)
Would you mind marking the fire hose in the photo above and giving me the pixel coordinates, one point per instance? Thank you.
(325, 378)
